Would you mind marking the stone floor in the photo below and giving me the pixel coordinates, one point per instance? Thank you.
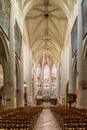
(47, 121)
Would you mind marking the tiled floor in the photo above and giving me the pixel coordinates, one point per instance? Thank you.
(47, 121)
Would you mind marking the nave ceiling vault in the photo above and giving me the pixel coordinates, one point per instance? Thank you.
(47, 22)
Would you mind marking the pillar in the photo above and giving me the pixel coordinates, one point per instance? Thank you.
(42, 79)
(29, 80)
(9, 86)
(63, 75)
(81, 64)
(72, 75)
(20, 84)
(50, 80)
(58, 85)
(35, 81)
(10, 83)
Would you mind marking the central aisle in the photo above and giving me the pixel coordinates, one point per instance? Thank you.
(47, 121)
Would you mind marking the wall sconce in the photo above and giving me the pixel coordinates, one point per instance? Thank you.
(25, 85)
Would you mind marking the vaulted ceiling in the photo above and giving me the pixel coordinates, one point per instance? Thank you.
(47, 26)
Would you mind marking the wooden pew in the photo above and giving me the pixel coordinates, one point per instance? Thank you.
(71, 119)
(20, 118)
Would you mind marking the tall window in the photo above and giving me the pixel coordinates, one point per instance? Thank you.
(38, 70)
(46, 71)
(38, 79)
(46, 79)
(54, 79)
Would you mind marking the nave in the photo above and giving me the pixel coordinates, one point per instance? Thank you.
(28, 118)
(43, 63)
(47, 117)
(47, 121)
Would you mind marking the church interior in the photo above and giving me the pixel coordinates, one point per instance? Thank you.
(43, 64)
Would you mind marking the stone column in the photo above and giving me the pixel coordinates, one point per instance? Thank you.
(35, 82)
(57, 85)
(72, 75)
(33, 91)
(10, 86)
(81, 64)
(50, 80)
(29, 80)
(42, 82)
(71, 89)
(20, 84)
(63, 76)
(59, 88)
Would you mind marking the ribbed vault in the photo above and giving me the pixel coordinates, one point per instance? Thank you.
(47, 24)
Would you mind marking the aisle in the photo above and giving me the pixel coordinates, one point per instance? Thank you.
(47, 121)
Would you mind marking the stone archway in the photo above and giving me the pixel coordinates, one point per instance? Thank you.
(4, 56)
(4, 45)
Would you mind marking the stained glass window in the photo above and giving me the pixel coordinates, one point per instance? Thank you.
(54, 79)
(38, 79)
(46, 79)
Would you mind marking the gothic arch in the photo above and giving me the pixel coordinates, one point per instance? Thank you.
(4, 43)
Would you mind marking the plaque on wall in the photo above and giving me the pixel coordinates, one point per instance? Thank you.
(5, 9)
(83, 84)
